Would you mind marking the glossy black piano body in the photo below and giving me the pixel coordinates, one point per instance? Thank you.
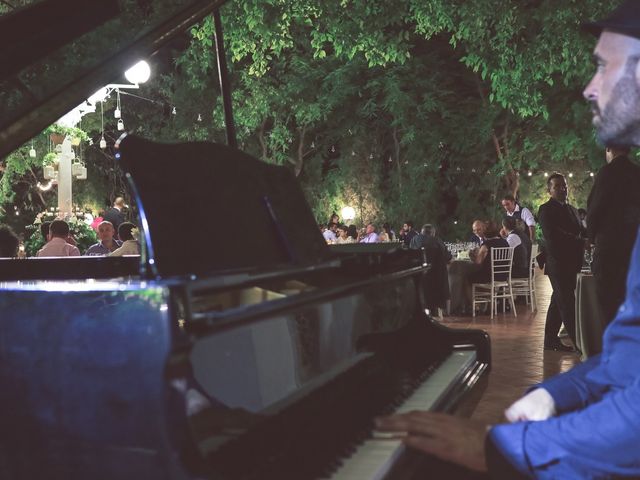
(265, 355)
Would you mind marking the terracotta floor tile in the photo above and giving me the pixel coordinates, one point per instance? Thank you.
(518, 359)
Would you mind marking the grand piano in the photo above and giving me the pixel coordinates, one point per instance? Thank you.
(263, 356)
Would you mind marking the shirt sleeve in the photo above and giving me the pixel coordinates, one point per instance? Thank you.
(598, 441)
(573, 389)
(527, 217)
(513, 240)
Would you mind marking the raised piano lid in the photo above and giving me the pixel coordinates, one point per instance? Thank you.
(220, 210)
(57, 53)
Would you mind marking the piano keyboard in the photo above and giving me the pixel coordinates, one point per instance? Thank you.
(374, 457)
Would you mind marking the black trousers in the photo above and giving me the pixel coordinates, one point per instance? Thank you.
(610, 272)
(562, 308)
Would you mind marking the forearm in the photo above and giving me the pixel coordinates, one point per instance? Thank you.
(601, 440)
(572, 390)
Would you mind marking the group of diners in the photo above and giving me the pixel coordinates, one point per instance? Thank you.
(60, 243)
(335, 232)
(512, 233)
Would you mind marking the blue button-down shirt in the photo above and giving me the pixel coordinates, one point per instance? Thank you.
(596, 433)
(100, 249)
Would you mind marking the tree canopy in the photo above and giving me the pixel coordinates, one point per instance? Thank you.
(428, 110)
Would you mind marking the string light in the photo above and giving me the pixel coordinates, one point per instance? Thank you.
(117, 113)
(570, 175)
(591, 174)
(103, 142)
(530, 173)
(546, 174)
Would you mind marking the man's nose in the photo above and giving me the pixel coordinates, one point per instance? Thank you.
(590, 92)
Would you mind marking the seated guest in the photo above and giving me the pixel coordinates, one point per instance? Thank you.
(386, 228)
(107, 243)
(383, 236)
(407, 233)
(370, 235)
(9, 242)
(342, 235)
(478, 227)
(520, 268)
(57, 245)
(352, 232)
(130, 245)
(482, 256)
(330, 233)
(44, 231)
(436, 280)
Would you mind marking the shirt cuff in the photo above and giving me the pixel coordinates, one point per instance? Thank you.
(504, 448)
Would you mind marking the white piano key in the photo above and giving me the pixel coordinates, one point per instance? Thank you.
(374, 457)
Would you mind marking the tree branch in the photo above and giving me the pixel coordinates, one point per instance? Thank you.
(263, 144)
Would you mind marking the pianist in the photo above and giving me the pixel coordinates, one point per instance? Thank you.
(584, 423)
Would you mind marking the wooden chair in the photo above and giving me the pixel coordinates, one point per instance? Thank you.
(500, 285)
(526, 286)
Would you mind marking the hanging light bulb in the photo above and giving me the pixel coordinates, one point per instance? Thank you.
(117, 113)
(120, 125)
(103, 142)
(199, 117)
(570, 175)
(313, 144)
(390, 159)
(353, 154)
(530, 173)
(591, 174)
(173, 111)
(32, 152)
(333, 149)
(546, 174)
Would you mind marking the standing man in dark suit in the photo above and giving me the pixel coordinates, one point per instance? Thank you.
(564, 245)
(115, 214)
(613, 216)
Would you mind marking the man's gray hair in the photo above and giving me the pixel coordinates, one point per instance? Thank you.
(428, 230)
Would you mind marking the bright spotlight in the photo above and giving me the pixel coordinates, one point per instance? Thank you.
(139, 73)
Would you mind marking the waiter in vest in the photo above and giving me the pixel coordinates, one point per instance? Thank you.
(514, 210)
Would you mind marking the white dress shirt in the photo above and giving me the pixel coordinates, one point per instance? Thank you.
(513, 240)
(525, 215)
(58, 247)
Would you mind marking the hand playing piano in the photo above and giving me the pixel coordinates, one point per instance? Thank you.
(450, 438)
